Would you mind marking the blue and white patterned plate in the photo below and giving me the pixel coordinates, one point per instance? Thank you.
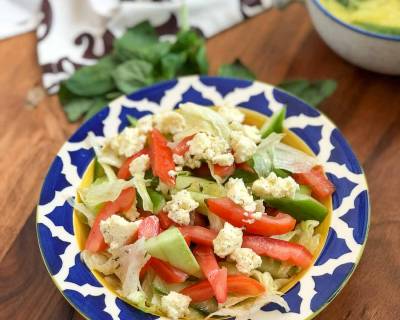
(319, 285)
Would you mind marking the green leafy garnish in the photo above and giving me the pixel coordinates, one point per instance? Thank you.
(132, 75)
(312, 92)
(236, 70)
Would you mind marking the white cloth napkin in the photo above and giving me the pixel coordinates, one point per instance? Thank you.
(72, 33)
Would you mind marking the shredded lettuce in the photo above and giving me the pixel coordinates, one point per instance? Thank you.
(243, 308)
(216, 177)
(277, 269)
(306, 235)
(140, 184)
(273, 154)
(100, 262)
(98, 193)
(216, 223)
(88, 214)
(201, 119)
(286, 236)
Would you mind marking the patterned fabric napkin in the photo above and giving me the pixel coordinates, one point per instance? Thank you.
(73, 33)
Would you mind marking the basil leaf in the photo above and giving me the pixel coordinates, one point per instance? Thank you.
(92, 80)
(201, 59)
(171, 64)
(113, 95)
(312, 92)
(236, 70)
(132, 75)
(76, 108)
(98, 104)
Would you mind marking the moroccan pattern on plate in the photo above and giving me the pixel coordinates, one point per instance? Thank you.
(347, 232)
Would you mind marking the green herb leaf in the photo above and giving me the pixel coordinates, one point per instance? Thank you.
(132, 75)
(171, 65)
(114, 95)
(76, 108)
(93, 80)
(98, 104)
(236, 70)
(312, 92)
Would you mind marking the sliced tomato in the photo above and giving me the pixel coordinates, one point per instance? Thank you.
(182, 147)
(245, 167)
(161, 158)
(292, 253)
(216, 276)
(199, 235)
(236, 284)
(165, 221)
(123, 172)
(202, 171)
(224, 171)
(167, 272)
(149, 227)
(95, 240)
(200, 220)
(226, 209)
(320, 185)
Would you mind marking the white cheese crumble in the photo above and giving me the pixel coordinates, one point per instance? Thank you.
(128, 142)
(175, 305)
(145, 124)
(231, 113)
(251, 132)
(207, 147)
(274, 186)
(139, 165)
(180, 206)
(246, 260)
(117, 231)
(243, 147)
(236, 190)
(169, 122)
(228, 239)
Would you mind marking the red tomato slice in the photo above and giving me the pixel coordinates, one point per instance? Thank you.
(216, 277)
(182, 147)
(167, 272)
(200, 220)
(165, 221)
(245, 166)
(149, 227)
(95, 240)
(161, 158)
(224, 171)
(320, 185)
(292, 253)
(226, 209)
(199, 235)
(237, 284)
(123, 172)
(144, 269)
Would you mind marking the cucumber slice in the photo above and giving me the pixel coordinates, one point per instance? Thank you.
(200, 185)
(205, 307)
(170, 246)
(305, 190)
(274, 124)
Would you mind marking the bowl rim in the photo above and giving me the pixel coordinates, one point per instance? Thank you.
(356, 260)
(353, 28)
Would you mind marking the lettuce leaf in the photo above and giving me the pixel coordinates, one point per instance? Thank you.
(88, 215)
(140, 184)
(306, 235)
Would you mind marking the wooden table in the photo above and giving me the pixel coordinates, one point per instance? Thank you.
(277, 46)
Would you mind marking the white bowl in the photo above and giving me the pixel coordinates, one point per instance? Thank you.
(369, 50)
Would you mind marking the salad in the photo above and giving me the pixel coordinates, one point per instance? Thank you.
(193, 213)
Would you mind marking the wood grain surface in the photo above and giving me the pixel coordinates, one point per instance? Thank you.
(277, 46)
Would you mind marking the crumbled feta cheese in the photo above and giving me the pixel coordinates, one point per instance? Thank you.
(228, 239)
(246, 260)
(210, 148)
(117, 231)
(179, 160)
(145, 124)
(251, 132)
(257, 215)
(175, 305)
(128, 142)
(172, 173)
(274, 186)
(243, 147)
(139, 165)
(163, 188)
(169, 122)
(180, 206)
(238, 193)
(100, 262)
(231, 113)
